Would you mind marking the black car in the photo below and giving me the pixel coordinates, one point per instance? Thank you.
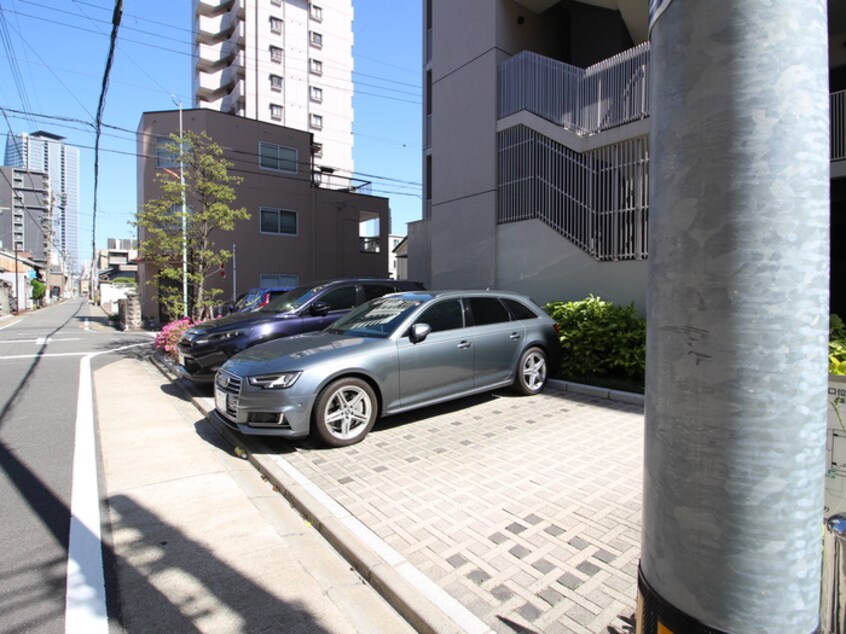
(206, 346)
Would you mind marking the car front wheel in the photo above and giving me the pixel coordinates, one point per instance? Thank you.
(531, 372)
(344, 412)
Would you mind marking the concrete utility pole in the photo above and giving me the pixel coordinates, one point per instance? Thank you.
(738, 317)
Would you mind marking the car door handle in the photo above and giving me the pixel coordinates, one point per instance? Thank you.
(515, 336)
(464, 345)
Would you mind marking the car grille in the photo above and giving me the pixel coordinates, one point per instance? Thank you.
(230, 385)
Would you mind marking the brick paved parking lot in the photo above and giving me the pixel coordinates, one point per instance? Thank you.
(527, 511)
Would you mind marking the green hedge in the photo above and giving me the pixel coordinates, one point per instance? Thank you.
(600, 339)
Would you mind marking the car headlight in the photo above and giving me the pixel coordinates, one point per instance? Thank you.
(219, 336)
(276, 381)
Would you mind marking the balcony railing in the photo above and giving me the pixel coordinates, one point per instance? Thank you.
(603, 96)
(330, 180)
(368, 245)
(598, 200)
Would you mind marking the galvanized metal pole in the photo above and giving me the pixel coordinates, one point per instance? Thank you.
(737, 318)
(184, 212)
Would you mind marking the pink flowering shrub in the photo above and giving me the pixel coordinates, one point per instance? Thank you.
(170, 334)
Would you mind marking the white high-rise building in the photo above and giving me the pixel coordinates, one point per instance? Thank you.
(44, 152)
(287, 62)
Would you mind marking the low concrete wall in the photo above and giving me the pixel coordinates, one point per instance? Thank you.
(129, 312)
(534, 260)
(111, 294)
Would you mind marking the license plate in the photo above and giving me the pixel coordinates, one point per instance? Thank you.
(220, 400)
(181, 359)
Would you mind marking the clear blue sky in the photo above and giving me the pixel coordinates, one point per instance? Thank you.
(54, 56)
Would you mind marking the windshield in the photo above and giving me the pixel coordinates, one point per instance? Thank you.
(291, 300)
(377, 318)
(250, 300)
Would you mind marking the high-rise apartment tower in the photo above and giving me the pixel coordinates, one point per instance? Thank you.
(287, 62)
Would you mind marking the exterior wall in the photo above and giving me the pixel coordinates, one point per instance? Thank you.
(534, 260)
(393, 242)
(464, 247)
(463, 155)
(326, 245)
(419, 253)
(24, 214)
(241, 85)
(16, 274)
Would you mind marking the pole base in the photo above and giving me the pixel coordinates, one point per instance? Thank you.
(657, 616)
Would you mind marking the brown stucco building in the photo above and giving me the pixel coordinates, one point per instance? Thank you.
(304, 225)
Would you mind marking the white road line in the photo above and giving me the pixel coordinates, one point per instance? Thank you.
(85, 599)
(11, 324)
(39, 340)
(51, 354)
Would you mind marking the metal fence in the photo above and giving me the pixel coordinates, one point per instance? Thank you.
(603, 96)
(598, 200)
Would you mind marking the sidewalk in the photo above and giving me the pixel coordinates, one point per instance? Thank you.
(199, 540)
(493, 513)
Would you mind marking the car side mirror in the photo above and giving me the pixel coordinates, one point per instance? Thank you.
(319, 309)
(419, 332)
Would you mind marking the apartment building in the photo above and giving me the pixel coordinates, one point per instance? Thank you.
(25, 214)
(283, 62)
(299, 231)
(536, 148)
(45, 152)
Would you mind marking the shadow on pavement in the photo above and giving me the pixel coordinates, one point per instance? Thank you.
(170, 583)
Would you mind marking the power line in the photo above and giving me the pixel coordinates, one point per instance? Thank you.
(237, 153)
(99, 122)
(264, 66)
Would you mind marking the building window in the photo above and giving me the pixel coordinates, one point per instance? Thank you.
(277, 280)
(316, 121)
(276, 83)
(277, 157)
(275, 25)
(316, 13)
(278, 221)
(276, 111)
(317, 150)
(276, 3)
(165, 156)
(316, 39)
(316, 94)
(315, 66)
(275, 54)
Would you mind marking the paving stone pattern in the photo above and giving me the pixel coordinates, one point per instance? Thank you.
(526, 510)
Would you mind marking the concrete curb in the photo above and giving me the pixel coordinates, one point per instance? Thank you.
(631, 398)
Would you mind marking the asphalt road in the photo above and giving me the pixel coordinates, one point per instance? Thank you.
(40, 361)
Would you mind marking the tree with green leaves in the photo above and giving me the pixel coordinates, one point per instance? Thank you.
(209, 193)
